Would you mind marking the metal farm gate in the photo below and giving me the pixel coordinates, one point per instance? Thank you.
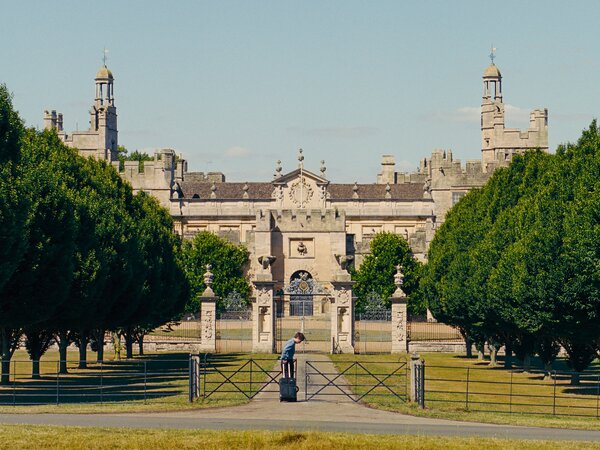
(234, 325)
(373, 326)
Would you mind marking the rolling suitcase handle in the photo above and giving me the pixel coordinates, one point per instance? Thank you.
(287, 365)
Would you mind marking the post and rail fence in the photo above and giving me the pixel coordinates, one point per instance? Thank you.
(515, 391)
(138, 380)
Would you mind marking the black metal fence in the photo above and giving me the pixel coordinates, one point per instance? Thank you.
(512, 391)
(143, 380)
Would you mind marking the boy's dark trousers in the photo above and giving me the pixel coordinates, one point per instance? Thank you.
(287, 369)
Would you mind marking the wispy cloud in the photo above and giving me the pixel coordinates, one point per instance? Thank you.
(516, 114)
(335, 132)
(572, 117)
(466, 114)
(237, 152)
(139, 133)
(406, 166)
(471, 114)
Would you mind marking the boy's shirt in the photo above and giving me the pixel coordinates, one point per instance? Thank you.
(288, 350)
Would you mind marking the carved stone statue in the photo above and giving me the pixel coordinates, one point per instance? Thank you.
(344, 261)
(427, 188)
(266, 261)
(302, 250)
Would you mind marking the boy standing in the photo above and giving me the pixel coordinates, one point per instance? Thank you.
(287, 355)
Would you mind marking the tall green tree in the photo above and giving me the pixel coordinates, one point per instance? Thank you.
(376, 273)
(42, 279)
(228, 262)
(447, 283)
(14, 205)
(163, 290)
(578, 303)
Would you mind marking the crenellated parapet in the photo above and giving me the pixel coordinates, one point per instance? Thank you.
(301, 220)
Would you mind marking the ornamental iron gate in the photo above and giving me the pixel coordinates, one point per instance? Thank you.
(234, 324)
(304, 305)
(373, 326)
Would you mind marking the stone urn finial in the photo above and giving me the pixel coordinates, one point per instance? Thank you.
(399, 281)
(278, 170)
(208, 281)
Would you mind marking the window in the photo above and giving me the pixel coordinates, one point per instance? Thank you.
(456, 196)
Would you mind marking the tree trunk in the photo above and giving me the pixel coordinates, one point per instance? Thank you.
(128, 344)
(83, 341)
(35, 368)
(116, 338)
(468, 345)
(100, 340)
(508, 355)
(63, 344)
(575, 378)
(480, 352)
(493, 356)
(6, 355)
(548, 371)
(141, 344)
(526, 362)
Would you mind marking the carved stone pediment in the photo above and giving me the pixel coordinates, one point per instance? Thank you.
(300, 189)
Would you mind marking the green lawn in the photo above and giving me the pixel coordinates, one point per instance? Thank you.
(55, 437)
(491, 396)
(154, 382)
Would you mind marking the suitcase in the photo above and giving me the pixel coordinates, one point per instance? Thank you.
(288, 390)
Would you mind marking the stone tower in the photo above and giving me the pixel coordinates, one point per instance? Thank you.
(103, 115)
(499, 143)
(492, 111)
(100, 141)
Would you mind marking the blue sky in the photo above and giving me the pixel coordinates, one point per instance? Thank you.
(236, 85)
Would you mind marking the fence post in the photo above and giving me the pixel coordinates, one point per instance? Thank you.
(194, 377)
(305, 380)
(101, 386)
(14, 382)
(190, 380)
(57, 381)
(145, 381)
(554, 395)
(251, 363)
(414, 361)
(511, 392)
(467, 391)
(597, 396)
(205, 373)
(422, 384)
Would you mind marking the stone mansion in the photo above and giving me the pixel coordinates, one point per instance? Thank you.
(300, 223)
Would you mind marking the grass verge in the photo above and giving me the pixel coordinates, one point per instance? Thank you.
(55, 437)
